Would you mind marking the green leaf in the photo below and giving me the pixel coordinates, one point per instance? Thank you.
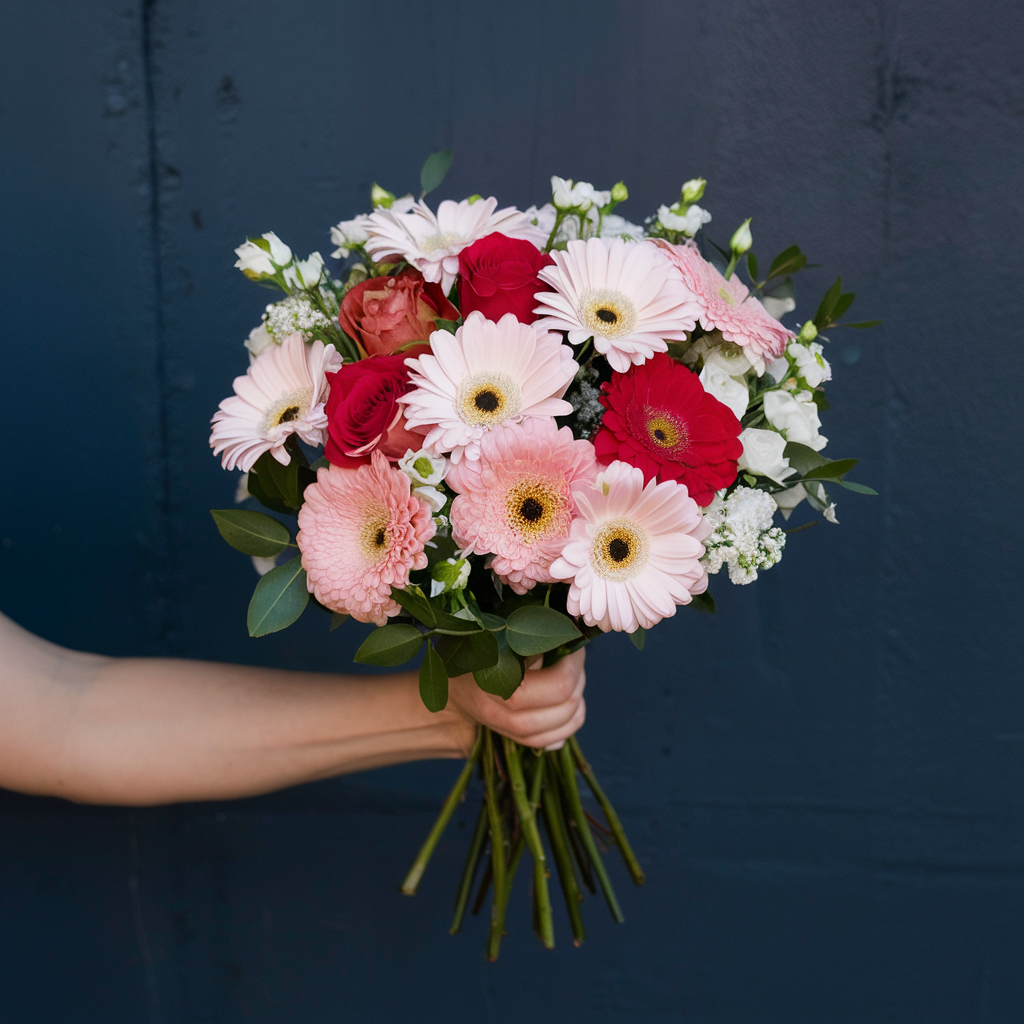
(535, 629)
(843, 303)
(824, 314)
(503, 678)
(279, 599)
(435, 167)
(252, 533)
(338, 619)
(752, 265)
(789, 261)
(819, 400)
(468, 653)
(266, 496)
(831, 470)
(704, 602)
(390, 645)
(320, 463)
(781, 289)
(416, 604)
(433, 681)
(451, 326)
(861, 324)
(637, 637)
(802, 458)
(455, 623)
(856, 488)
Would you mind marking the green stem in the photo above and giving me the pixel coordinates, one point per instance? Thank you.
(412, 880)
(609, 812)
(528, 823)
(476, 849)
(569, 781)
(498, 862)
(575, 843)
(559, 217)
(732, 266)
(559, 839)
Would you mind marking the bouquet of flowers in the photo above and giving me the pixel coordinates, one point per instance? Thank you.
(537, 426)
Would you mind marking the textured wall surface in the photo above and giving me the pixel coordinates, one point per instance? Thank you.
(825, 782)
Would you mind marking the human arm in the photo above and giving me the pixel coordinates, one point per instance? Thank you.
(140, 731)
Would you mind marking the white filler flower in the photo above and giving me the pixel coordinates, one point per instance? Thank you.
(744, 538)
(626, 296)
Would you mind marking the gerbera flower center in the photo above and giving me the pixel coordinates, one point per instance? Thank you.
(488, 398)
(607, 313)
(375, 536)
(619, 550)
(664, 432)
(725, 295)
(443, 240)
(287, 409)
(532, 508)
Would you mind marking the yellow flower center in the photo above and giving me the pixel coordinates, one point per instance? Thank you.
(375, 535)
(442, 241)
(286, 409)
(619, 550)
(725, 295)
(488, 398)
(663, 432)
(607, 313)
(534, 509)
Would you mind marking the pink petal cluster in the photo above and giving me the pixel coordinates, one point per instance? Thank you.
(728, 306)
(634, 552)
(361, 532)
(515, 501)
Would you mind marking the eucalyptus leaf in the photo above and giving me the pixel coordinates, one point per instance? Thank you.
(856, 488)
(279, 599)
(268, 496)
(390, 645)
(435, 167)
(789, 261)
(637, 637)
(828, 303)
(703, 602)
(338, 619)
(534, 629)
(802, 458)
(503, 678)
(433, 681)
(843, 303)
(861, 324)
(468, 653)
(752, 265)
(416, 604)
(252, 533)
(831, 470)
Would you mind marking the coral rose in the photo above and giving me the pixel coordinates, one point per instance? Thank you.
(498, 275)
(363, 413)
(385, 313)
(660, 419)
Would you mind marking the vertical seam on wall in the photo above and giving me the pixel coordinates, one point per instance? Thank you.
(159, 328)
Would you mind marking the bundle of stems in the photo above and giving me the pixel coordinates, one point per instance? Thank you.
(521, 789)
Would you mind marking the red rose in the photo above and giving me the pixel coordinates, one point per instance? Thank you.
(363, 411)
(385, 313)
(498, 275)
(660, 419)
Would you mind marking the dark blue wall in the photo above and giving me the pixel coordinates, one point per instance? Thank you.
(825, 782)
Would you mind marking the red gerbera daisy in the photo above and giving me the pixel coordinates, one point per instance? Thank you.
(660, 419)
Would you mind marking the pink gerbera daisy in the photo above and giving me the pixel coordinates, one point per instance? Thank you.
(625, 295)
(515, 501)
(634, 552)
(728, 306)
(361, 532)
(484, 375)
(282, 394)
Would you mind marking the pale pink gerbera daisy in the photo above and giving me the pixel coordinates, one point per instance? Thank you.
(484, 375)
(515, 501)
(623, 294)
(282, 394)
(634, 553)
(432, 243)
(361, 532)
(728, 306)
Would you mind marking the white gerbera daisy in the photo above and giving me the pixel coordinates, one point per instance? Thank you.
(626, 296)
(432, 243)
(484, 375)
(634, 552)
(282, 394)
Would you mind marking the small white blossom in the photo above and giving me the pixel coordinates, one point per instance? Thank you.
(423, 467)
(242, 490)
(614, 226)
(829, 512)
(347, 235)
(305, 273)
(259, 339)
(257, 261)
(796, 416)
(580, 195)
(777, 307)
(762, 454)
(788, 499)
(434, 499)
(263, 565)
(291, 315)
(689, 223)
(743, 538)
(811, 365)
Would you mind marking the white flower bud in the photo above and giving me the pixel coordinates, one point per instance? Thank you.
(262, 257)
(742, 239)
(561, 193)
(693, 189)
(619, 192)
(808, 332)
(381, 196)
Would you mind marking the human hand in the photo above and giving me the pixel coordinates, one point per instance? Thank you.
(543, 713)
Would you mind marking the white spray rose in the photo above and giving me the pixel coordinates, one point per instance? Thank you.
(581, 195)
(721, 384)
(255, 261)
(347, 235)
(423, 468)
(762, 454)
(305, 273)
(810, 363)
(796, 416)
